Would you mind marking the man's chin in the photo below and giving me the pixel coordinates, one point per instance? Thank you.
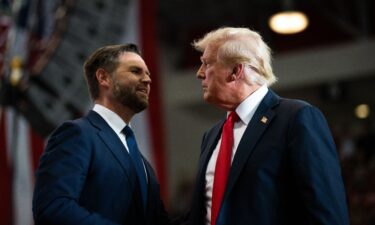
(206, 97)
(142, 97)
(136, 104)
(144, 101)
(142, 105)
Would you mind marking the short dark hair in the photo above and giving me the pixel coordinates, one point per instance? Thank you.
(106, 58)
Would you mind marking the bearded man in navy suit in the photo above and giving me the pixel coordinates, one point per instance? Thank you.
(91, 171)
(281, 166)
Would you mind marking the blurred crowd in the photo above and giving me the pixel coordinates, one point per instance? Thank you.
(357, 155)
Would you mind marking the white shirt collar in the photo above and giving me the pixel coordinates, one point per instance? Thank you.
(248, 107)
(113, 120)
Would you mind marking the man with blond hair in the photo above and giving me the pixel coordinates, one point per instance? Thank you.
(272, 161)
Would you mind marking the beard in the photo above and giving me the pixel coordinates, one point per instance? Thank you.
(128, 97)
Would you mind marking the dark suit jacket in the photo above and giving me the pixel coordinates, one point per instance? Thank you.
(86, 176)
(285, 171)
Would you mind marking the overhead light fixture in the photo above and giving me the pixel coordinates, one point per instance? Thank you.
(288, 22)
(362, 111)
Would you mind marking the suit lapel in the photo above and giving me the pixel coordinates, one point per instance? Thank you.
(258, 124)
(114, 144)
(153, 191)
(207, 151)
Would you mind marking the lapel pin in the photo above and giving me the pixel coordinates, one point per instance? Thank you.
(264, 120)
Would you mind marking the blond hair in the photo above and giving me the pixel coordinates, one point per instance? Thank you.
(240, 46)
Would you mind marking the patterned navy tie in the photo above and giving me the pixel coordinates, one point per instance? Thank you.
(135, 155)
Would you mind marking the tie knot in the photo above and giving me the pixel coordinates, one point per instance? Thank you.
(127, 131)
(233, 117)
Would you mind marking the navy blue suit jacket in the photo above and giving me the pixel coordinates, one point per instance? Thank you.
(86, 176)
(285, 171)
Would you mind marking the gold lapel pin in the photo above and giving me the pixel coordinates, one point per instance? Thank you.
(264, 120)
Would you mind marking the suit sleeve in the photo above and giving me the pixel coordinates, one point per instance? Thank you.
(60, 178)
(160, 217)
(317, 169)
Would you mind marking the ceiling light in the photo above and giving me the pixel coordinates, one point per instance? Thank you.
(362, 111)
(288, 22)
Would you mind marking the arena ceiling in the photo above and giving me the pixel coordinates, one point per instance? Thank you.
(331, 22)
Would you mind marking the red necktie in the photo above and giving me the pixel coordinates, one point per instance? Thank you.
(222, 165)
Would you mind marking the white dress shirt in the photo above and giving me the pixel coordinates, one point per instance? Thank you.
(113, 120)
(245, 111)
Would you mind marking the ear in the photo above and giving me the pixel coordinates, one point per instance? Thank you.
(237, 72)
(104, 78)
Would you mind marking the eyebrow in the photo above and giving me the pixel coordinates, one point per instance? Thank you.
(139, 68)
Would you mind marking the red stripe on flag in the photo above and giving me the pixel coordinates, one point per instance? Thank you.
(5, 176)
(149, 43)
(37, 145)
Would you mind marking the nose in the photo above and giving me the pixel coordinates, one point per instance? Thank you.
(200, 72)
(146, 79)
